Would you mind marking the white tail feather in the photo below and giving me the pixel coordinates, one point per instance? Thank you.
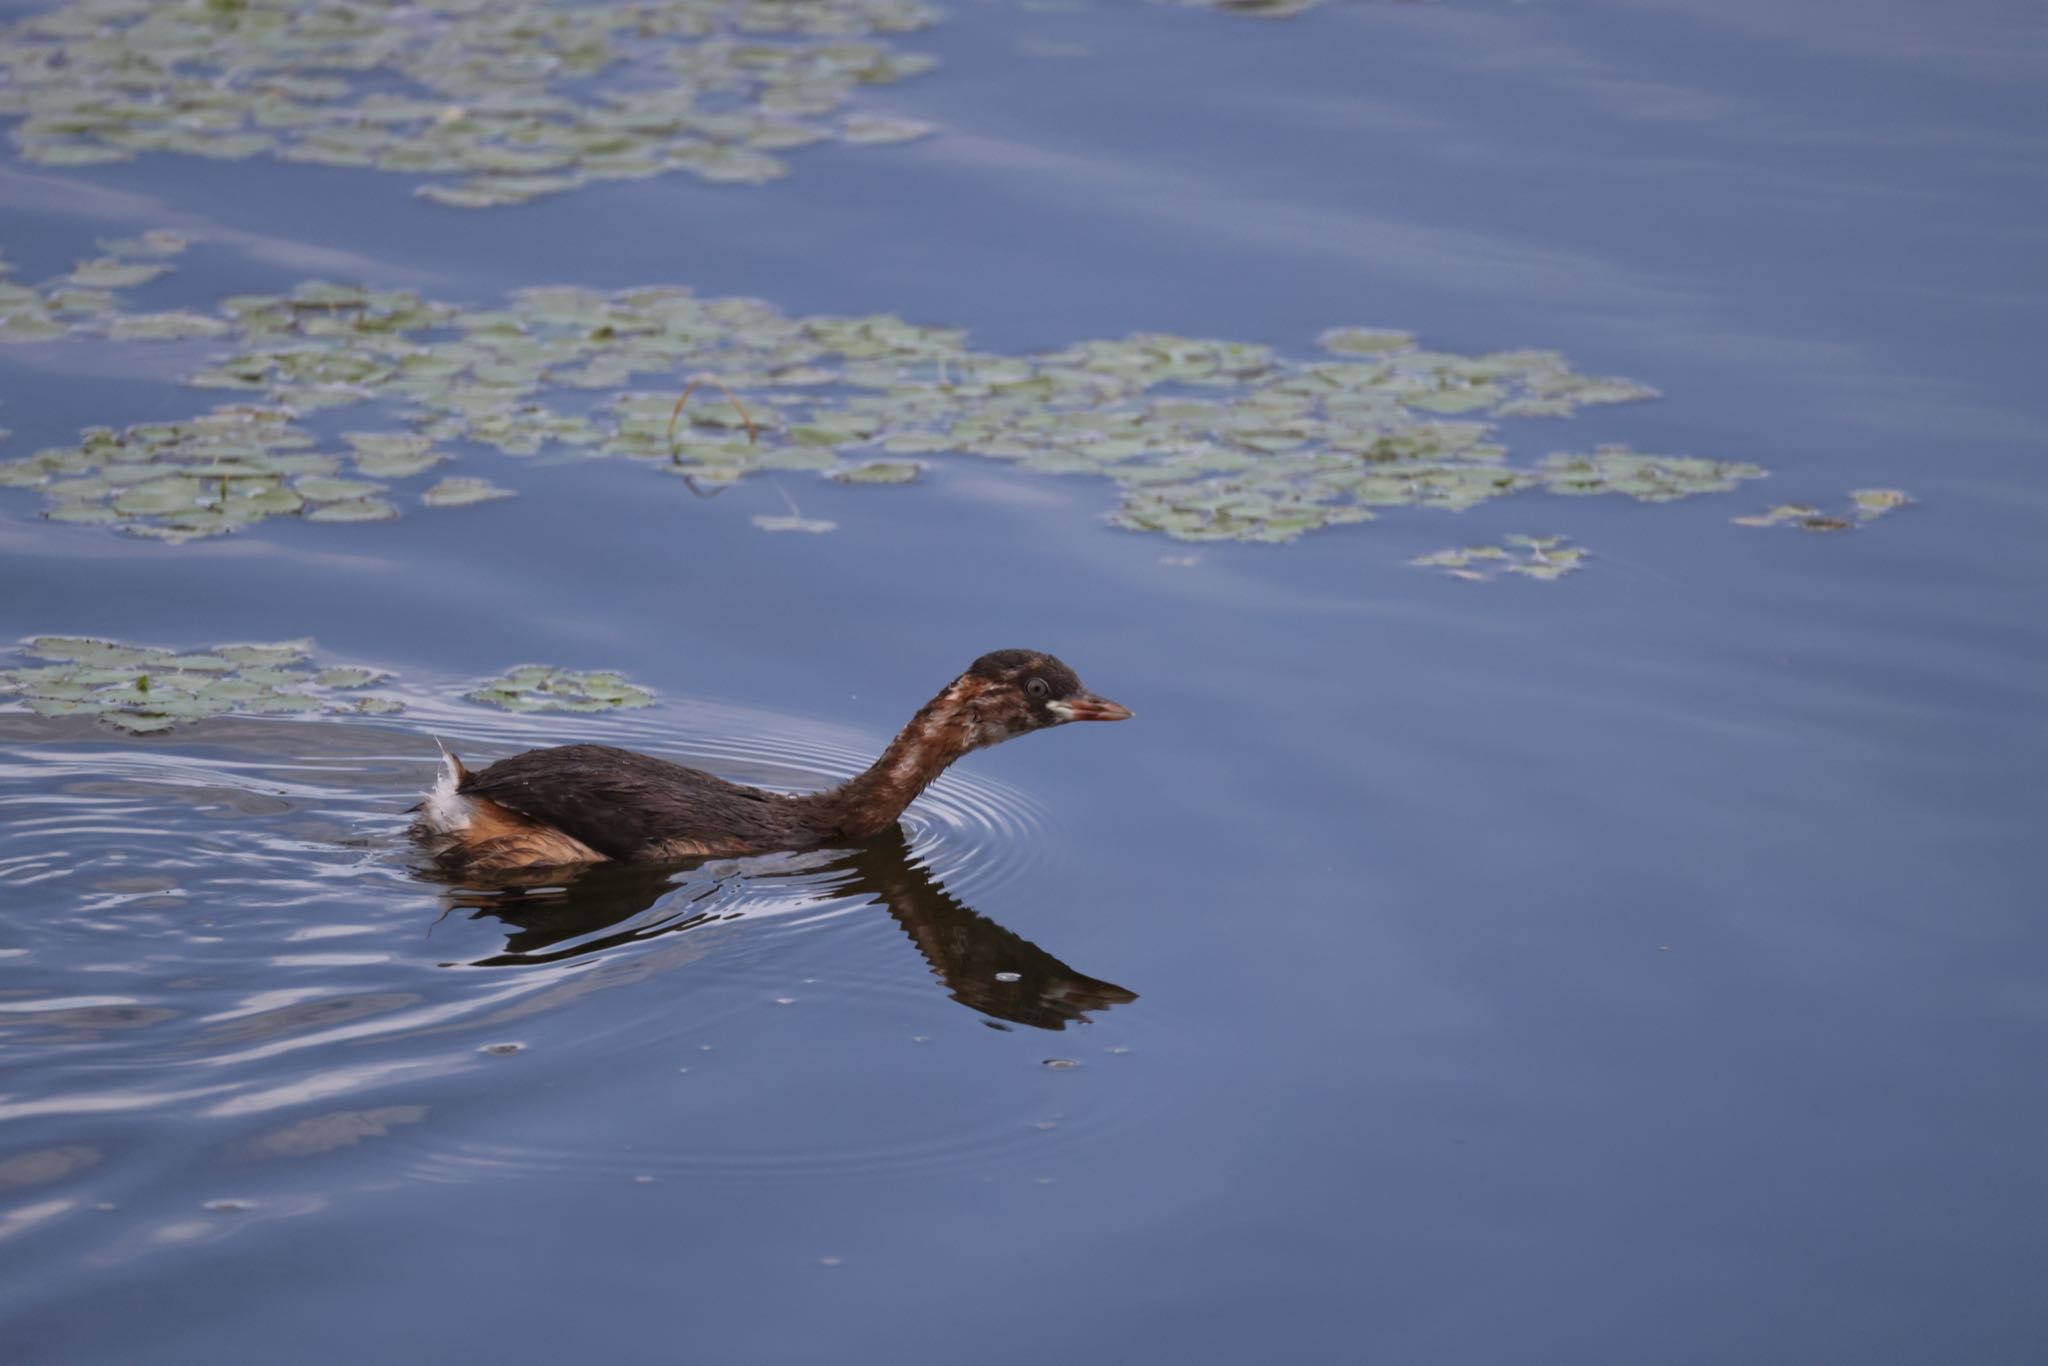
(446, 811)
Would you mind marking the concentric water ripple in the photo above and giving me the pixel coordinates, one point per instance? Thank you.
(227, 924)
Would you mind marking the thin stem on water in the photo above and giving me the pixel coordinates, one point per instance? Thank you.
(753, 436)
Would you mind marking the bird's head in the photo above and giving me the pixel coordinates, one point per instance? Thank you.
(1008, 693)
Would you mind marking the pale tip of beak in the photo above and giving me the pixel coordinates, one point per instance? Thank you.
(1088, 707)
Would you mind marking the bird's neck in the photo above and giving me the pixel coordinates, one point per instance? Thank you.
(942, 731)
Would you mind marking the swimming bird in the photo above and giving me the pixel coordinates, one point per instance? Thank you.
(577, 804)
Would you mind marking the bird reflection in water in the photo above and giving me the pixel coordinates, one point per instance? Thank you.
(572, 913)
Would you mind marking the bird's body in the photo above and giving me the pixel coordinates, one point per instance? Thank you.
(587, 803)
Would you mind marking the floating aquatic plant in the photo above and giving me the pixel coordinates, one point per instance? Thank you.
(794, 520)
(879, 472)
(500, 94)
(1865, 505)
(206, 476)
(1207, 439)
(462, 492)
(1258, 9)
(538, 687)
(1533, 557)
(142, 690)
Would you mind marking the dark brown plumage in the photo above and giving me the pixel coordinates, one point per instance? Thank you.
(584, 803)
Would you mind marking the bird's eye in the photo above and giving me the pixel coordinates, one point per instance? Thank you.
(1038, 689)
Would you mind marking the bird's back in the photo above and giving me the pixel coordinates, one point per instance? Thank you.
(632, 806)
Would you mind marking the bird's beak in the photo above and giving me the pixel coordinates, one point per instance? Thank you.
(1088, 707)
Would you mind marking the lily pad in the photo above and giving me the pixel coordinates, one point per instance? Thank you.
(1864, 505)
(326, 489)
(143, 690)
(540, 687)
(155, 242)
(879, 472)
(455, 493)
(165, 326)
(110, 273)
(514, 99)
(867, 128)
(353, 510)
(1545, 558)
(1784, 512)
(1874, 503)
(1206, 439)
(393, 455)
(1365, 340)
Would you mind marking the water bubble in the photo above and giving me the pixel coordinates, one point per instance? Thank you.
(1009, 977)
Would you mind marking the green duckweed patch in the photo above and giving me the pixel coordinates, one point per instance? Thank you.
(505, 100)
(1533, 557)
(540, 687)
(143, 690)
(1205, 439)
(1864, 505)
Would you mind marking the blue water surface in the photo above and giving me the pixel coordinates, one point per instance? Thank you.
(1645, 967)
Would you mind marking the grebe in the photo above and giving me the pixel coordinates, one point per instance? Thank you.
(588, 803)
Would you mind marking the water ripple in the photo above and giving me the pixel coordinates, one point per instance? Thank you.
(227, 924)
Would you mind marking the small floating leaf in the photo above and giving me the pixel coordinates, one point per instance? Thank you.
(137, 724)
(353, 510)
(109, 273)
(155, 242)
(1365, 340)
(1872, 503)
(393, 455)
(455, 493)
(347, 678)
(1784, 512)
(866, 128)
(165, 326)
(325, 489)
(879, 472)
(792, 522)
